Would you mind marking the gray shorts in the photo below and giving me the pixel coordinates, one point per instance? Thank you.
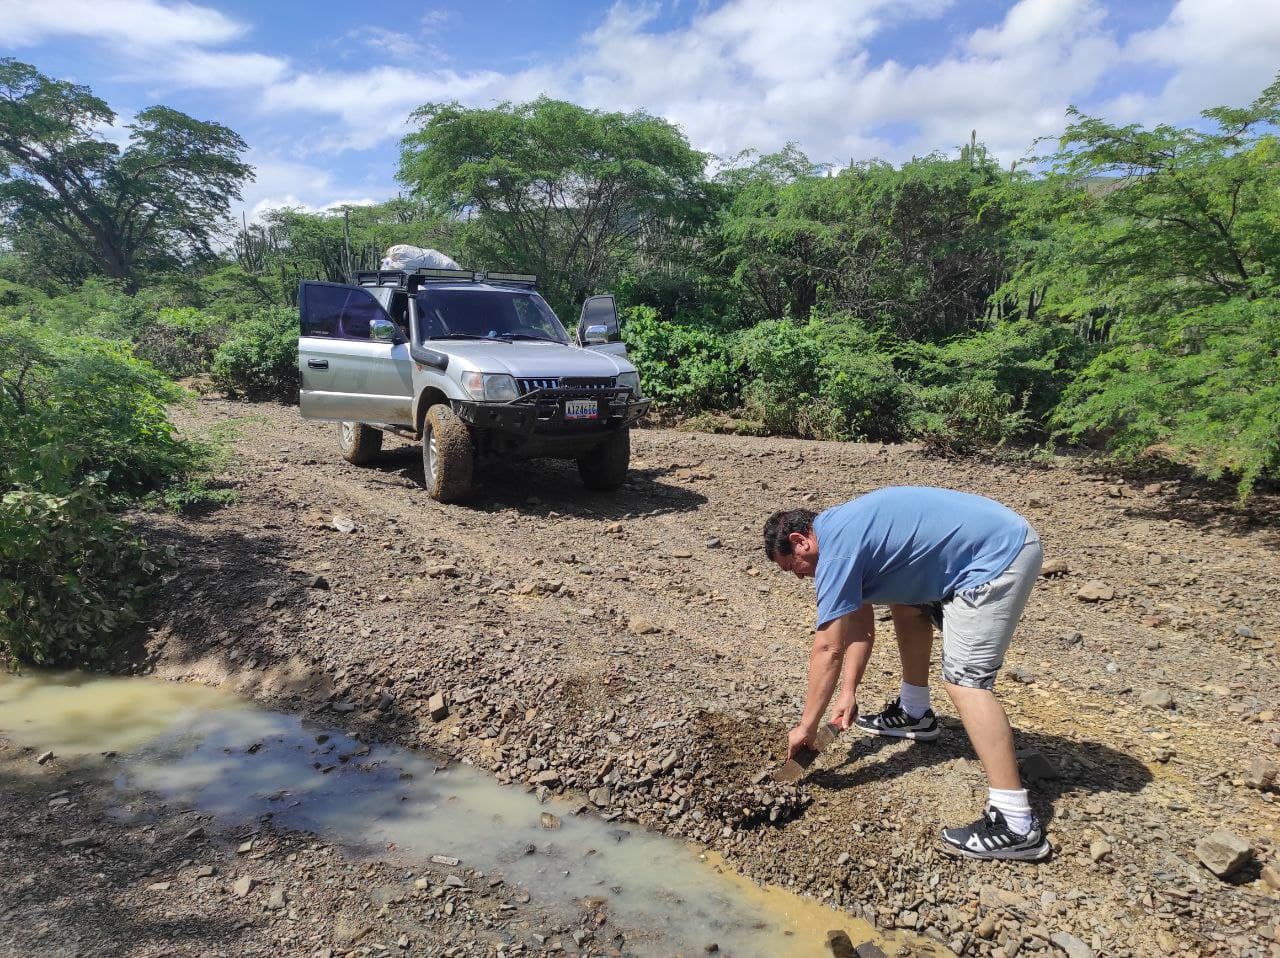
(978, 624)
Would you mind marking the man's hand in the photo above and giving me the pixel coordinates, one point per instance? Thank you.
(798, 738)
(845, 711)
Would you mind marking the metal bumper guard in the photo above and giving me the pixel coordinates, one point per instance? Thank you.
(543, 410)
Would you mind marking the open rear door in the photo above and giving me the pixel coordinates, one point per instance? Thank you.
(598, 327)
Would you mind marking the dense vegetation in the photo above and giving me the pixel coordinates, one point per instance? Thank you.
(1119, 292)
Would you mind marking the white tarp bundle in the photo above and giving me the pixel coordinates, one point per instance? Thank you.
(407, 257)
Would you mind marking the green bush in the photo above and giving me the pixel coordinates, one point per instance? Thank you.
(965, 417)
(260, 358)
(70, 577)
(684, 368)
(1209, 388)
(79, 407)
(181, 342)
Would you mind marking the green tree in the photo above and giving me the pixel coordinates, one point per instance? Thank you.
(552, 188)
(1163, 247)
(916, 250)
(160, 201)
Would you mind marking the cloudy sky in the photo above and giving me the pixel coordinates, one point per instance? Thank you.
(321, 90)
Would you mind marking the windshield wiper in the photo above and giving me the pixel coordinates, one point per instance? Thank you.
(487, 339)
(540, 339)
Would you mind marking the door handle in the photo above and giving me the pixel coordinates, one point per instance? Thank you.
(318, 363)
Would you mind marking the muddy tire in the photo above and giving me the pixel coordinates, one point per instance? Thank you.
(448, 455)
(360, 444)
(605, 467)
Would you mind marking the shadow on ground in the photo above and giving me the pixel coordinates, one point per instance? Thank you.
(1052, 766)
(538, 487)
(62, 900)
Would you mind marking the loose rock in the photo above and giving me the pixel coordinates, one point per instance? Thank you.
(1223, 853)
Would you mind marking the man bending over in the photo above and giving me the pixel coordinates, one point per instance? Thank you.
(914, 546)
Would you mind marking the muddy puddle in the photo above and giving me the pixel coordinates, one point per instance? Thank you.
(227, 757)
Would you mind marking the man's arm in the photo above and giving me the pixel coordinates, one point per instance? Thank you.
(825, 658)
(857, 655)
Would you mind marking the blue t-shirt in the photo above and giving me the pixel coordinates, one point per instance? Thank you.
(910, 545)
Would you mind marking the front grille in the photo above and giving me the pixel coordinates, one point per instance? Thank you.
(575, 384)
(587, 382)
(529, 385)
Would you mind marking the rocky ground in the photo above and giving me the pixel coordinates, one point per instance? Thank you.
(635, 651)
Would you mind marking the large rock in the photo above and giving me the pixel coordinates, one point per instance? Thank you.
(1052, 567)
(1156, 699)
(1261, 774)
(1095, 591)
(1223, 853)
(1073, 946)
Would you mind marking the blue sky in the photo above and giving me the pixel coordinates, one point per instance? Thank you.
(322, 90)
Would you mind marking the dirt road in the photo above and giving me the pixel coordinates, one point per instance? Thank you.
(636, 650)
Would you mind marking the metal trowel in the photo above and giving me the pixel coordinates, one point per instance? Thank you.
(793, 769)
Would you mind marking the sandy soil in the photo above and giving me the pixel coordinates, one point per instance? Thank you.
(635, 650)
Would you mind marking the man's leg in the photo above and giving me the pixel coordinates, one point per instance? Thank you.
(908, 716)
(914, 633)
(977, 629)
(988, 729)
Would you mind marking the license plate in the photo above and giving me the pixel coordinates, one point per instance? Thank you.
(581, 409)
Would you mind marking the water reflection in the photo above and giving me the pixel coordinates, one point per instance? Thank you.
(238, 762)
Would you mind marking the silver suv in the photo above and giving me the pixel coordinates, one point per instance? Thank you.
(475, 366)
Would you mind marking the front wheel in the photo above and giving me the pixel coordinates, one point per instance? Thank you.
(448, 455)
(360, 444)
(605, 467)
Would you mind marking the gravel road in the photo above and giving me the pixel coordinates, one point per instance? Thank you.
(636, 652)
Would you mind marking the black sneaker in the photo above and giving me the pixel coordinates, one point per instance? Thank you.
(896, 723)
(991, 837)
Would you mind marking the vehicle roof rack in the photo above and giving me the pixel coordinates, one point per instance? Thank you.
(419, 277)
(381, 277)
(513, 279)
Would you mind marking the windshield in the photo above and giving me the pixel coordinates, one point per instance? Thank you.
(486, 314)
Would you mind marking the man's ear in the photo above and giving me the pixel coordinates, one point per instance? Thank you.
(797, 540)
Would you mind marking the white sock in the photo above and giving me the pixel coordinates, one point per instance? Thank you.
(914, 699)
(1013, 805)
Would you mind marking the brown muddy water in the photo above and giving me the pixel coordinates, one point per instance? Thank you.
(225, 756)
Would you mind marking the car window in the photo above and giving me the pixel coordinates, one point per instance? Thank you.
(490, 313)
(341, 311)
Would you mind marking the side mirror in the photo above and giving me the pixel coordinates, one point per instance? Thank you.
(599, 318)
(383, 331)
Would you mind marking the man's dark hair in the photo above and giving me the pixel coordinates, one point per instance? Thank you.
(779, 526)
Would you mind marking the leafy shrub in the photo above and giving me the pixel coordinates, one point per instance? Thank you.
(72, 408)
(682, 367)
(181, 342)
(1209, 388)
(260, 359)
(70, 577)
(964, 417)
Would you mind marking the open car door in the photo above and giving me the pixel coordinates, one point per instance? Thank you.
(598, 327)
(353, 359)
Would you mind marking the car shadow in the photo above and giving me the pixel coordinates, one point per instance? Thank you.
(1051, 766)
(539, 487)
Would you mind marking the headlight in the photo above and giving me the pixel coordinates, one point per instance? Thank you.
(490, 387)
(630, 381)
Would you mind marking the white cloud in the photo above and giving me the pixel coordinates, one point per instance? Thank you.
(135, 23)
(760, 74)
(222, 70)
(374, 105)
(1220, 53)
(283, 182)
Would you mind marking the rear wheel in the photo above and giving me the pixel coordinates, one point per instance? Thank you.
(605, 467)
(448, 455)
(359, 443)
